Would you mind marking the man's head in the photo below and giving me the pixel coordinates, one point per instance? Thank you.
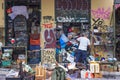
(85, 34)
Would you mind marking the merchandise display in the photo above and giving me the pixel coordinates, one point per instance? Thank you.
(23, 25)
(6, 59)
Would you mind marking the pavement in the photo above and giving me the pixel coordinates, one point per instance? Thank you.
(106, 75)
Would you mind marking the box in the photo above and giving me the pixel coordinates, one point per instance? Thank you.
(97, 75)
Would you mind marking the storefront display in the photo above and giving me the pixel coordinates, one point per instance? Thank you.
(6, 57)
(44, 37)
(13, 55)
(23, 25)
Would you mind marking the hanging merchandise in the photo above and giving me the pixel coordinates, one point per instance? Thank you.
(20, 31)
(63, 40)
(34, 39)
(9, 10)
(34, 57)
(18, 10)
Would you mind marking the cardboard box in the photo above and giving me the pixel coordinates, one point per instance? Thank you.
(97, 75)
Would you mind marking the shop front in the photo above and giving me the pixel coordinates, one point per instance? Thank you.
(45, 32)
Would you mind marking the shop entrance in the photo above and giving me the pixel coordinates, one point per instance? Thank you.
(66, 35)
(22, 19)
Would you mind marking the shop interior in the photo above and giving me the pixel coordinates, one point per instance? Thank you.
(66, 35)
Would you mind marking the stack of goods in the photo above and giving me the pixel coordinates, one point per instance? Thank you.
(34, 47)
(7, 58)
(34, 57)
(34, 41)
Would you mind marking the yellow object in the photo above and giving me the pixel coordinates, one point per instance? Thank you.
(40, 73)
(94, 67)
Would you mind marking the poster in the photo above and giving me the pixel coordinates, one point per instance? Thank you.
(48, 56)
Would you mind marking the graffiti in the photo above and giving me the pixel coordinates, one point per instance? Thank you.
(49, 35)
(50, 39)
(99, 23)
(72, 4)
(72, 10)
(65, 19)
(101, 13)
(49, 25)
(47, 19)
(48, 56)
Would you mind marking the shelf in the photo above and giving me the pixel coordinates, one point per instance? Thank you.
(102, 32)
(111, 45)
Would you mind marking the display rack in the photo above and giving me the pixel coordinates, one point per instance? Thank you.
(103, 42)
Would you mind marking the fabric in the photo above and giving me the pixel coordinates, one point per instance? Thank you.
(81, 56)
(64, 38)
(34, 42)
(34, 47)
(18, 10)
(62, 43)
(34, 39)
(84, 42)
(35, 36)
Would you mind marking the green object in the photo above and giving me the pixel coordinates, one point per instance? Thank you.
(58, 74)
(6, 63)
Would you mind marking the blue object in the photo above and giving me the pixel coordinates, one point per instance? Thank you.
(62, 43)
(34, 47)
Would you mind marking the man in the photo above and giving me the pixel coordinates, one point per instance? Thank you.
(81, 53)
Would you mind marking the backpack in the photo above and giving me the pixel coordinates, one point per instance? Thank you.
(58, 74)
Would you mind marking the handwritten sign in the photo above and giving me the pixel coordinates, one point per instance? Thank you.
(48, 56)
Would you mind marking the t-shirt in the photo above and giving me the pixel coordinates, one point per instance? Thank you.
(84, 42)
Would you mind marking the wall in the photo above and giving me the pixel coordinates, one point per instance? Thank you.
(48, 37)
(2, 25)
(104, 8)
(1, 13)
(47, 24)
